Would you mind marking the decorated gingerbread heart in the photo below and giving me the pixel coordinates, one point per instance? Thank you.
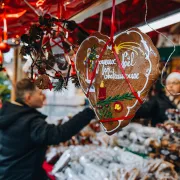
(116, 76)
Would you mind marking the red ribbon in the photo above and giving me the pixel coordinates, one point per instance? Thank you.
(97, 63)
(110, 41)
(126, 78)
(112, 21)
(117, 119)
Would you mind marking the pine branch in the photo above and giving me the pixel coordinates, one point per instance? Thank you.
(126, 96)
(75, 81)
(60, 85)
(105, 112)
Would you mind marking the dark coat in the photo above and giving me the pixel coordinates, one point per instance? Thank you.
(155, 109)
(24, 137)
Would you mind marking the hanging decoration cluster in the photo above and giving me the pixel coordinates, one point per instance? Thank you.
(51, 46)
(4, 46)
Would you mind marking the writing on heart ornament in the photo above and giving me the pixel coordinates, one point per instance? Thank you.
(117, 76)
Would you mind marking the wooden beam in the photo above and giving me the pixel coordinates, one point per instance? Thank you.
(95, 8)
(15, 72)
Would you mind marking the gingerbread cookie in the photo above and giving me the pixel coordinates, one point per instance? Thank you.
(43, 82)
(118, 85)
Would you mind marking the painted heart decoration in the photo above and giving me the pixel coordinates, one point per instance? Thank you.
(116, 96)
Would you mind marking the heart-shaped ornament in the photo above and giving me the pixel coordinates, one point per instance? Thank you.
(123, 75)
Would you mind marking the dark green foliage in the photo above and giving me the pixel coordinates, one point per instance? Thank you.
(126, 96)
(4, 89)
(105, 112)
(104, 106)
(60, 85)
(75, 81)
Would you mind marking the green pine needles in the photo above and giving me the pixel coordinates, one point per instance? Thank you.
(126, 96)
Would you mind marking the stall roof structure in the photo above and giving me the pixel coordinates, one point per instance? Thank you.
(92, 15)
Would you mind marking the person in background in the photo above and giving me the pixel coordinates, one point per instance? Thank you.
(156, 107)
(0, 103)
(25, 135)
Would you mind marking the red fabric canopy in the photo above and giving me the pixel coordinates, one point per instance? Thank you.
(128, 14)
(20, 16)
(131, 13)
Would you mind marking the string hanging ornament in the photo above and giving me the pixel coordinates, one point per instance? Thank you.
(51, 51)
(170, 55)
(4, 46)
(60, 39)
(116, 73)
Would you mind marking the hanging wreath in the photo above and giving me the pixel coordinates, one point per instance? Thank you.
(51, 51)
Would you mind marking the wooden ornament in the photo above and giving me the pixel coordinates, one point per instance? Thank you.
(121, 94)
(43, 82)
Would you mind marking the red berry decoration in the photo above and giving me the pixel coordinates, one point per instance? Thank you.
(58, 74)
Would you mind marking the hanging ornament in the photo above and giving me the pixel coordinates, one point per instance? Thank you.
(43, 82)
(4, 47)
(61, 61)
(48, 45)
(128, 65)
(50, 62)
